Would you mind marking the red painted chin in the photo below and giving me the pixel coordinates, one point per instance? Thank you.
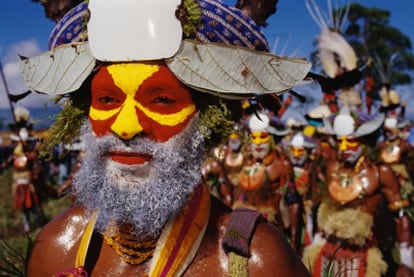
(129, 158)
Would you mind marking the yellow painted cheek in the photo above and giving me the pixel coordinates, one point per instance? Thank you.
(96, 114)
(127, 124)
(172, 119)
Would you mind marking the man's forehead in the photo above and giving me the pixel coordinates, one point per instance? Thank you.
(129, 76)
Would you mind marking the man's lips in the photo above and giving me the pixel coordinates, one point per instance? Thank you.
(129, 157)
(258, 149)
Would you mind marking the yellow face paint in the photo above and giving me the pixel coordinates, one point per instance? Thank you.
(297, 151)
(131, 93)
(258, 137)
(128, 77)
(163, 119)
(347, 144)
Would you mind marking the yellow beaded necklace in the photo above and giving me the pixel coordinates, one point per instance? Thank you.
(129, 248)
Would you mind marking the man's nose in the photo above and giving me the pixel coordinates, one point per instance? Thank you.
(342, 145)
(296, 152)
(127, 125)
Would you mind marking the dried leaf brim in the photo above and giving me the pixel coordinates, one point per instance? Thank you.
(235, 72)
(226, 71)
(59, 71)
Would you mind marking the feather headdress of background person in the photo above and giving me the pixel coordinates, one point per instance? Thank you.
(338, 58)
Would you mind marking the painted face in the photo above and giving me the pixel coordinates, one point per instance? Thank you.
(391, 133)
(297, 155)
(234, 142)
(260, 144)
(349, 148)
(136, 98)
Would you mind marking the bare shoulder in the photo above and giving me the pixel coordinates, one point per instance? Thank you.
(55, 246)
(272, 255)
(388, 177)
(73, 219)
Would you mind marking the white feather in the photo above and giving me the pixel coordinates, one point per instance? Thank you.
(330, 44)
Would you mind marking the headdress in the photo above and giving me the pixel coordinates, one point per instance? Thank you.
(335, 52)
(336, 55)
(299, 139)
(261, 121)
(23, 125)
(209, 46)
(352, 124)
(226, 54)
(316, 115)
(393, 122)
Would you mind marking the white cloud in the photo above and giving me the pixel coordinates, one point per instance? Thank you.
(14, 78)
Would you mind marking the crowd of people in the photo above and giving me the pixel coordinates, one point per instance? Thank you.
(188, 168)
(341, 192)
(35, 178)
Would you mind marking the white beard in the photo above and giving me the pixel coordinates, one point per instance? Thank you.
(264, 150)
(298, 161)
(351, 157)
(145, 196)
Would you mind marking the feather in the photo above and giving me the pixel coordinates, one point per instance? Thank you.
(347, 79)
(316, 14)
(16, 97)
(335, 53)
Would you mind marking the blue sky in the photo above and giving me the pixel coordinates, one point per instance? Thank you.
(291, 31)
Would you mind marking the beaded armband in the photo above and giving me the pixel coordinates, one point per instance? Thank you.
(398, 205)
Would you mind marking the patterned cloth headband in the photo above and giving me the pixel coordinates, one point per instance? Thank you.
(219, 23)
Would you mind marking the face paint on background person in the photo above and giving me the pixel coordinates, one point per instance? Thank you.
(349, 149)
(158, 188)
(234, 143)
(298, 155)
(260, 144)
(129, 99)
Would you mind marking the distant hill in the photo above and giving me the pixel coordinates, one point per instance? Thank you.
(42, 117)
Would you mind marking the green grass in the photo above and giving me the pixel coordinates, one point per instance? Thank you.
(14, 242)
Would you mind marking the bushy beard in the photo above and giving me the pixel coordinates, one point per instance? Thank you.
(298, 160)
(147, 195)
(262, 153)
(350, 157)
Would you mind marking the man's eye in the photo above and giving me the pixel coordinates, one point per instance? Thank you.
(107, 100)
(163, 100)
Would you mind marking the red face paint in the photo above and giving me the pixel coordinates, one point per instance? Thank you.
(138, 99)
(159, 108)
